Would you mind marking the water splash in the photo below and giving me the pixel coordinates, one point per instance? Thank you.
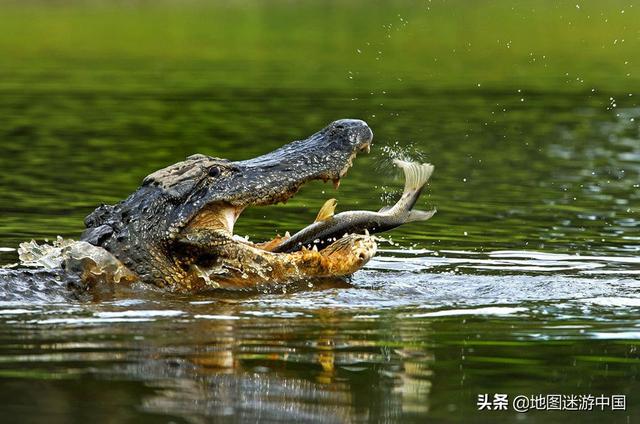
(94, 264)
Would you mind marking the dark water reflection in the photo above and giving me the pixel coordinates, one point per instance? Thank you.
(525, 282)
(318, 356)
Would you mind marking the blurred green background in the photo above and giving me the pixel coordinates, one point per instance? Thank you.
(352, 46)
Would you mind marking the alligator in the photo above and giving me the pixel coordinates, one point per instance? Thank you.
(176, 230)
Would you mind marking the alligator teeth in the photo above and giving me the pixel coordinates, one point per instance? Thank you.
(336, 183)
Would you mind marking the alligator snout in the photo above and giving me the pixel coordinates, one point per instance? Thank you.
(355, 132)
(276, 176)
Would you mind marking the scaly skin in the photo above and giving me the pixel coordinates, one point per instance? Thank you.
(176, 230)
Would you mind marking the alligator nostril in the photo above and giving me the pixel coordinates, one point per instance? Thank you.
(339, 127)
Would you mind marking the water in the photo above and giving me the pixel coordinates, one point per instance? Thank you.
(524, 282)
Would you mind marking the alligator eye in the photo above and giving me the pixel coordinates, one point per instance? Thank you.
(214, 171)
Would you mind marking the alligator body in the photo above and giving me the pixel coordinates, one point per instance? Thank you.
(176, 230)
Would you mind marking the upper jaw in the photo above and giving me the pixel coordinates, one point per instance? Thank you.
(277, 176)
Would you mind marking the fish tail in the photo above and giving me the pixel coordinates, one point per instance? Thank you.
(416, 176)
(416, 215)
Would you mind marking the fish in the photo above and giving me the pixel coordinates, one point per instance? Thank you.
(328, 227)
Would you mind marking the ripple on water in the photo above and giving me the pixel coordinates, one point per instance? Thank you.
(506, 261)
(491, 310)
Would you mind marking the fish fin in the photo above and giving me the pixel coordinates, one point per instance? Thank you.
(416, 215)
(327, 210)
(384, 209)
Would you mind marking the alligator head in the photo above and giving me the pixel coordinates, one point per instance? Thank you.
(205, 193)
